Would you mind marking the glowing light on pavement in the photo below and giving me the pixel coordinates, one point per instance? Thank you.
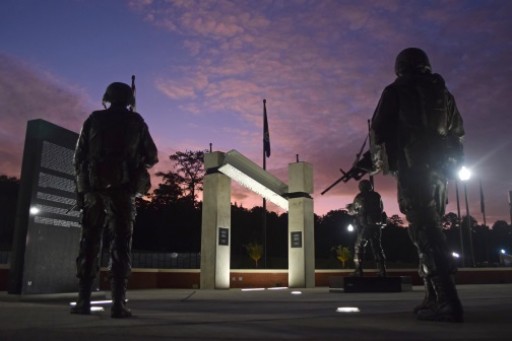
(347, 310)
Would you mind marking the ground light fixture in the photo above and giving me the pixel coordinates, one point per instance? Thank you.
(348, 310)
(277, 288)
(95, 305)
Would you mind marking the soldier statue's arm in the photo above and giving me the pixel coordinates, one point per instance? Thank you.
(81, 165)
(455, 134)
(355, 207)
(384, 131)
(80, 158)
(147, 157)
(149, 151)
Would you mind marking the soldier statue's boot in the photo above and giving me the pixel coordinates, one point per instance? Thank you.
(429, 301)
(83, 303)
(119, 309)
(448, 307)
(382, 268)
(358, 271)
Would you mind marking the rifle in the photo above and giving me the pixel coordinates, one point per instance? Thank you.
(132, 107)
(361, 166)
(79, 202)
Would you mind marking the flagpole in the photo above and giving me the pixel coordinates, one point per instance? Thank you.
(264, 216)
(461, 235)
(482, 203)
(486, 231)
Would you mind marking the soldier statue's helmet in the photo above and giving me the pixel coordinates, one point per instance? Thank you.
(411, 60)
(365, 186)
(120, 93)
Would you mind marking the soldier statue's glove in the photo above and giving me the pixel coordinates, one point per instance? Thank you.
(89, 198)
(351, 209)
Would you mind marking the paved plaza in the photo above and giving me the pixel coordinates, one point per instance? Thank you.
(312, 314)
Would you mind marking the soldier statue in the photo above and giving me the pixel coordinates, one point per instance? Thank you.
(113, 153)
(419, 131)
(368, 210)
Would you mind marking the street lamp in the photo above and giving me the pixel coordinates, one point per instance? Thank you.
(350, 228)
(464, 176)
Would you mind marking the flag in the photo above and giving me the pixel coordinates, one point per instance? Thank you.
(266, 134)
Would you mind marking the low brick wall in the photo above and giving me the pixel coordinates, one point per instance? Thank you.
(177, 278)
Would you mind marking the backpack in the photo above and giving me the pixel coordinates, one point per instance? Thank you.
(113, 143)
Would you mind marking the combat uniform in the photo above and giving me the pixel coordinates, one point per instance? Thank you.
(368, 209)
(112, 155)
(419, 125)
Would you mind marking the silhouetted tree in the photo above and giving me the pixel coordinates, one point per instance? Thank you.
(481, 244)
(501, 239)
(332, 230)
(9, 187)
(450, 220)
(168, 191)
(396, 242)
(189, 171)
(395, 220)
(451, 229)
(171, 221)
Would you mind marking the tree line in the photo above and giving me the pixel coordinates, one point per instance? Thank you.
(169, 220)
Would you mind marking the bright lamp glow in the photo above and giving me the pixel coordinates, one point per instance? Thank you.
(296, 292)
(503, 251)
(455, 255)
(350, 228)
(464, 174)
(34, 210)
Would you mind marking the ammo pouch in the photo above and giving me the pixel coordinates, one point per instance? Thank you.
(436, 151)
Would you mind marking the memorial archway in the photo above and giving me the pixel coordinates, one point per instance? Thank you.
(295, 197)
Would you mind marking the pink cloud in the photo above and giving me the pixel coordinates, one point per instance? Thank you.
(26, 94)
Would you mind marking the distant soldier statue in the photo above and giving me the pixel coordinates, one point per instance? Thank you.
(419, 130)
(111, 159)
(368, 211)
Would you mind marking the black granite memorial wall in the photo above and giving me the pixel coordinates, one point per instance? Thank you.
(47, 230)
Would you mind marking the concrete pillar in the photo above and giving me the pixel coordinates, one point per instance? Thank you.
(215, 226)
(301, 239)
